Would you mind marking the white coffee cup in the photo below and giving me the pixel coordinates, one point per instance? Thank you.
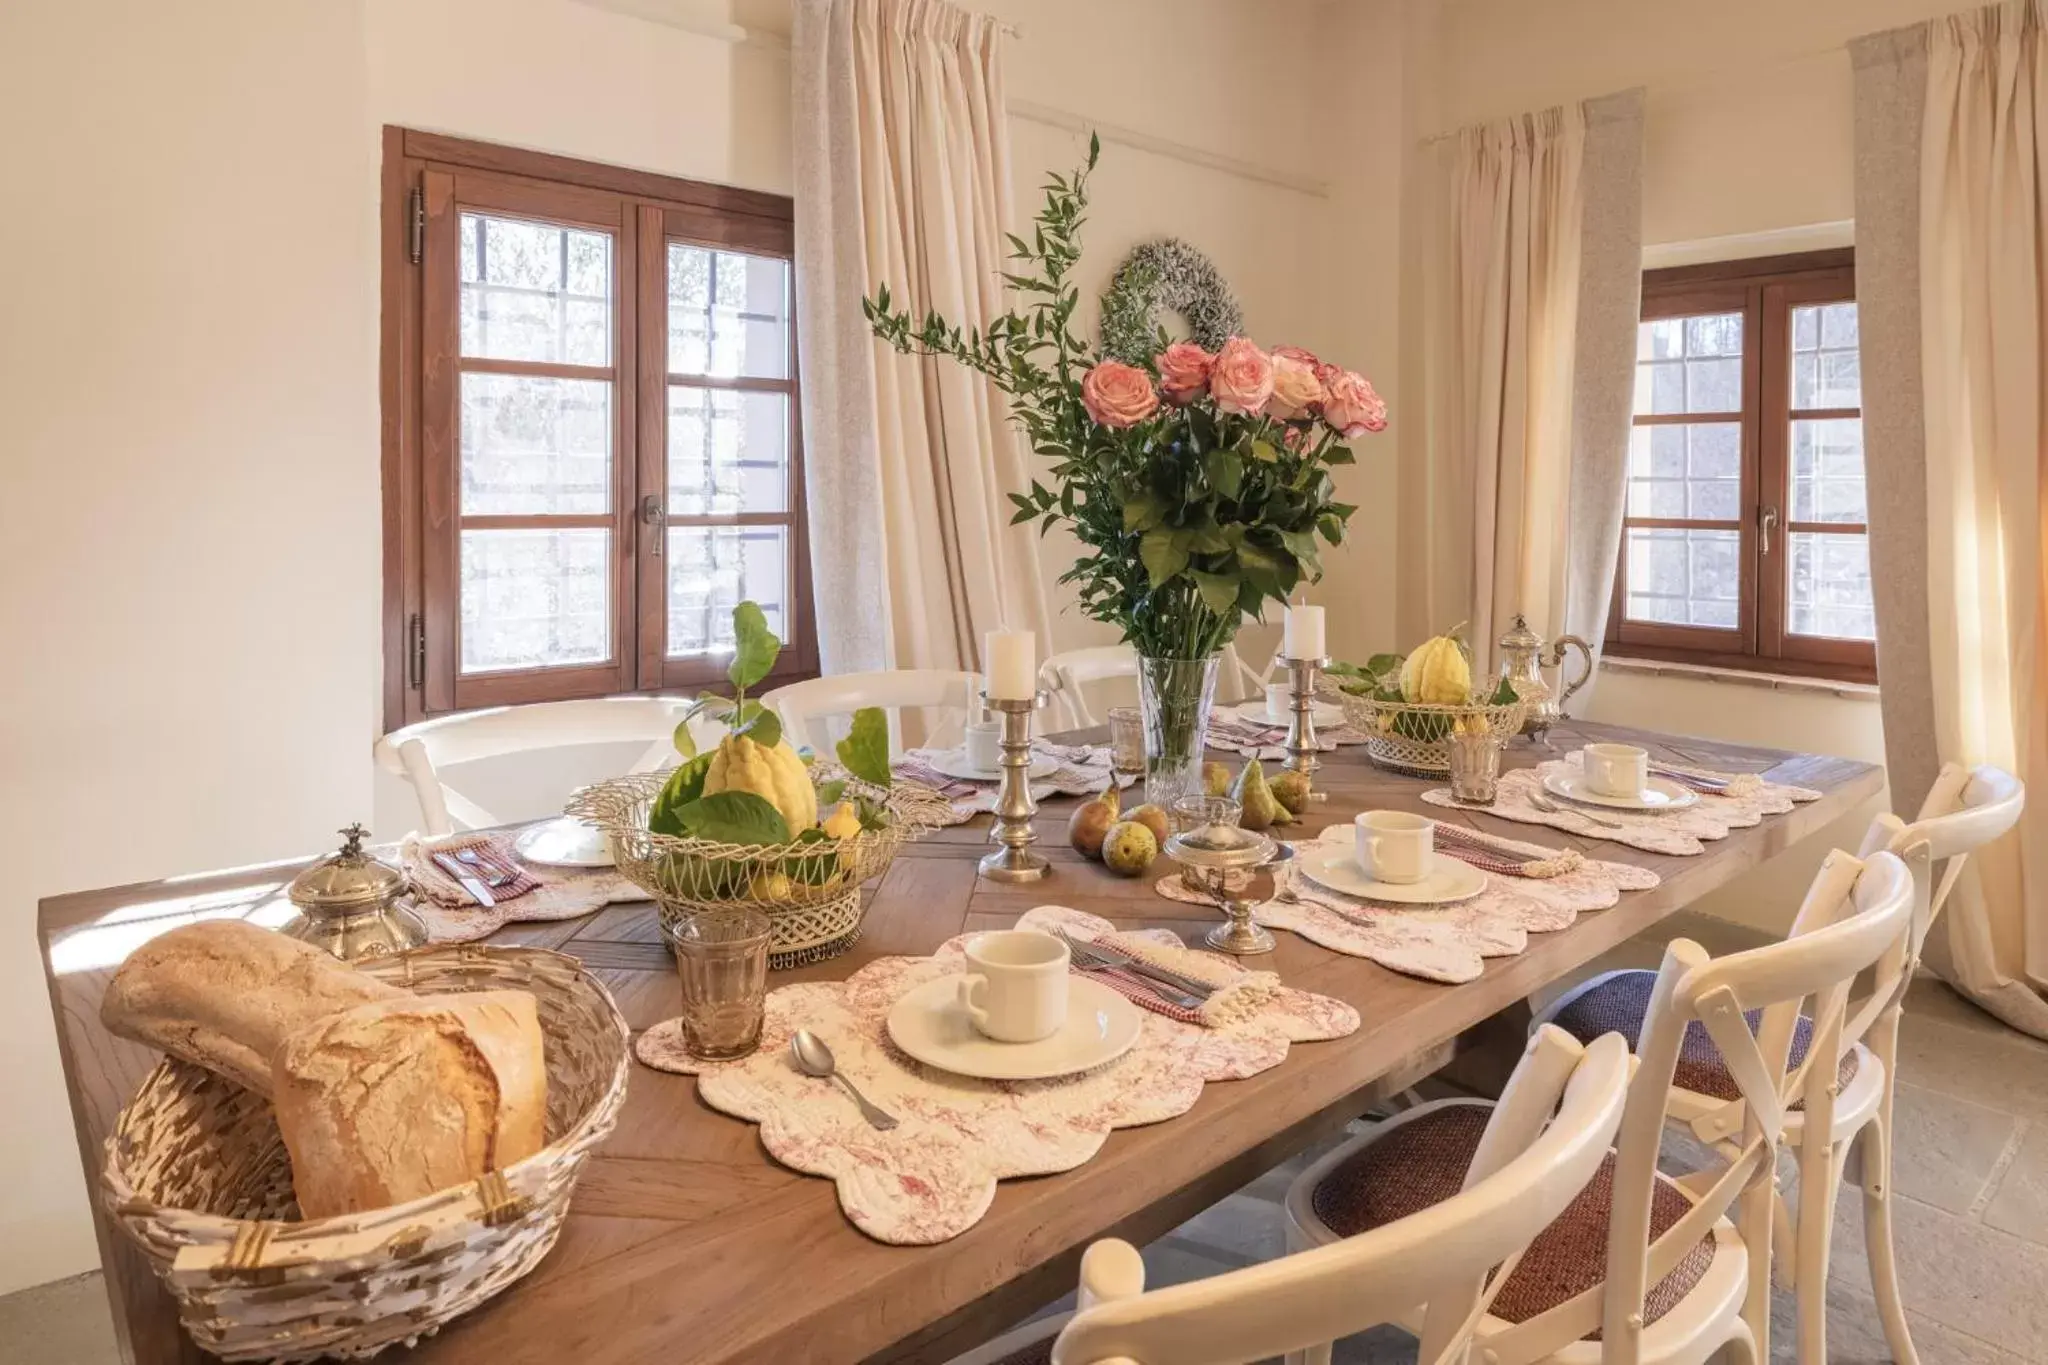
(1395, 846)
(983, 744)
(1279, 702)
(1617, 769)
(1015, 990)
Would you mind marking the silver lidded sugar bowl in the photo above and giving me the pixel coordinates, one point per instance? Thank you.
(353, 905)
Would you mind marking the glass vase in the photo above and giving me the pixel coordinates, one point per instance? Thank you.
(1174, 695)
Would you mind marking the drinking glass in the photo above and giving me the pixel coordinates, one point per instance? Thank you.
(723, 961)
(1475, 767)
(1126, 741)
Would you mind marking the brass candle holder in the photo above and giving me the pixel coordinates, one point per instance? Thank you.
(1303, 749)
(1015, 861)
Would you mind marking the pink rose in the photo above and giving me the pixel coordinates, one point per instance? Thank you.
(1183, 371)
(1242, 378)
(1351, 407)
(1301, 353)
(1296, 390)
(1118, 395)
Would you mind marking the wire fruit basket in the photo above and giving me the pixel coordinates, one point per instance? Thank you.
(1415, 737)
(808, 888)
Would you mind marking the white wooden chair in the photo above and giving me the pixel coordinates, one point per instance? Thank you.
(421, 751)
(1653, 1264)
(1527, 1168)
(1965, 809)
(806, 706)
(1065, 675)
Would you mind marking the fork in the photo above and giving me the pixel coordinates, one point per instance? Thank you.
(1161, 983)
(493, 874)
(1544, 803)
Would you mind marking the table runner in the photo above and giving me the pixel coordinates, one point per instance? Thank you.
(1234, 734)
(1677, 832)
(934, 1176)
(1084, 771)
(1447, 943)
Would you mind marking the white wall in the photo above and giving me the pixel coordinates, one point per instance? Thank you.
(188, 546)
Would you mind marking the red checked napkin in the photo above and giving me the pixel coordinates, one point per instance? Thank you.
(1508, 857)
(1236, 990)
(430, 877)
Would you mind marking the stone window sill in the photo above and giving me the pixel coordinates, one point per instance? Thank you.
(1738, 677)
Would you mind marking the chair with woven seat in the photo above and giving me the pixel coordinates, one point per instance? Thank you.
(1642, 1266)
(1965, 809)
(806, 707)
(1538, 1148)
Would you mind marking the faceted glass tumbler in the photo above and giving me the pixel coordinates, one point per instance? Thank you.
(723, 961)
(1127, 740)
(1475, 767)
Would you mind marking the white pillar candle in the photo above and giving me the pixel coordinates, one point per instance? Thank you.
(1301, 632)
(1011, 658)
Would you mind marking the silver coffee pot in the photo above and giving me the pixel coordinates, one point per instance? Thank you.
(1523, 658)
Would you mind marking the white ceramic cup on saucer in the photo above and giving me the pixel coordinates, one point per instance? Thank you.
(1617, 769)
(983, 744)
(1395, 846)
(1279, 702)
(1015, 990)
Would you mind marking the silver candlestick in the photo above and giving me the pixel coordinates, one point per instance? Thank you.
(1015, 862)
(1302, 745)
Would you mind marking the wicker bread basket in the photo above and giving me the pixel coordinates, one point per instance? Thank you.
(196, 1175)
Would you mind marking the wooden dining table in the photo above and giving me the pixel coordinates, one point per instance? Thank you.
(688, 1243)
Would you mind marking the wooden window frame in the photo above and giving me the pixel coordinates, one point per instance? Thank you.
(428, 180)
(1764, 291)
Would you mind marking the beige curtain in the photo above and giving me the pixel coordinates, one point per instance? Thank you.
(1532, 268)
(1984, 346)
(902, 171)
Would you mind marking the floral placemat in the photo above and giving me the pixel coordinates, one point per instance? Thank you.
(1522, 798)
(539, 893)
(1084, 770)
(933, 1176)
(1448, 943)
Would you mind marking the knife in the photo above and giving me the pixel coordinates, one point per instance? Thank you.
(478, 892)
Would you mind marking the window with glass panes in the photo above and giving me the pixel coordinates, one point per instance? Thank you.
(1744, 542)
(593, 449)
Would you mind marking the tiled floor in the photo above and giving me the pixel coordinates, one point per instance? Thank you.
(1971, 1209)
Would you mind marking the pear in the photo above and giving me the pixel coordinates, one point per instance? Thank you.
(1215, 778)
(1090, 822)
(1255, 798)
(1129, 848)
(1291, 790)
(1153, 818)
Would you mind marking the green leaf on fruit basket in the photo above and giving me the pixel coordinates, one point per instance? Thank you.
(684, 786)
(754, 646)
(865, 750)
(764, 727)
(829, 794)
(1504, 695)
(734, 818)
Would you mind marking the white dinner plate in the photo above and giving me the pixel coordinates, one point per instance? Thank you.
(953, 763)
(1661, 794)
(563, 842)
(1336, 866)
(929, 1024)
(1326, 713)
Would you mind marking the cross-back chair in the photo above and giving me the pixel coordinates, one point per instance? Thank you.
(1067, 674)
(1645, 1267)
(1541, 1144)
(422, 752)
(1966, 809)
(807, 707)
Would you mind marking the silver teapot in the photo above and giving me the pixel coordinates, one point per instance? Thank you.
(1523, 657)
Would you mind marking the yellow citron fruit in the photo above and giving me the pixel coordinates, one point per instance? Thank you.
(1437, 672)
(843, 823)
(775, 775)
(771, 886)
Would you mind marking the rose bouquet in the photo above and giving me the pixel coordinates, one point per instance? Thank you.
(1199, 484)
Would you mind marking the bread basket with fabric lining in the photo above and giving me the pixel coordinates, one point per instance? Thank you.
(196, 1175)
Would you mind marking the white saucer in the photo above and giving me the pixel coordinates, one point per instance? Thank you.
(929, 1024)
(953, 763)
(1326, 713)
(1336, 866)
(563, 842)
(1661, 794)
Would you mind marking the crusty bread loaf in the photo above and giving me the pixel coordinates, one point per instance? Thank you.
(226, 994)
(399, 1098)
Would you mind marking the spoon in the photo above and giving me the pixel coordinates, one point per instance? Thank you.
(813, 1058)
